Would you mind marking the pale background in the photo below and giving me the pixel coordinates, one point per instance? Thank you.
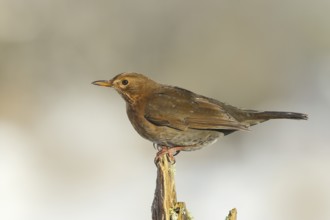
(68, 151)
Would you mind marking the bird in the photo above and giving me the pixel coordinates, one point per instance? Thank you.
(176, 119)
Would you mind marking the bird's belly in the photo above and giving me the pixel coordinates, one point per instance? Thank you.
(192, 139)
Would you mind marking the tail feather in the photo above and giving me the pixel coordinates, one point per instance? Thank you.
(279, 115)
(255, 117)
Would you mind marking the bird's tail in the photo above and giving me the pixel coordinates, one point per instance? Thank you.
(279, 115)
(257, 117)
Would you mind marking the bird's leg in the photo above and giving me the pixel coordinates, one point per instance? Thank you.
(170, 151)
(157, 146)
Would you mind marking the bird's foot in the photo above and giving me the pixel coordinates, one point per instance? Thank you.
(170, 151)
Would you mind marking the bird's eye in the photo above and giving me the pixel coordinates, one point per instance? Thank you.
(124, 82)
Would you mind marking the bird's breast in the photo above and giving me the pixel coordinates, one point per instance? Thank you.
(146, 129)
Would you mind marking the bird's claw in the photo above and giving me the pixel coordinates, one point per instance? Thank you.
(169, 151)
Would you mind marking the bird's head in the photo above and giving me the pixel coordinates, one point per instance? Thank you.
(131, 86)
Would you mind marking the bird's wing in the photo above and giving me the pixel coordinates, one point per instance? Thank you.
(182, 109)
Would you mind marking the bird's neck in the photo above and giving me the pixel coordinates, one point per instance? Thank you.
(140, 95)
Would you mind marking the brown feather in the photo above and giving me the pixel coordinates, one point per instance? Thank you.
(165, 108)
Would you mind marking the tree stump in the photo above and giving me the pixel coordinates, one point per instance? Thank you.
(165, 205)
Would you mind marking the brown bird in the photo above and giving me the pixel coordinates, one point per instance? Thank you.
(176, 119)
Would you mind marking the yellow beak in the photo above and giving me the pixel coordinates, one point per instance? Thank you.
(106, 83)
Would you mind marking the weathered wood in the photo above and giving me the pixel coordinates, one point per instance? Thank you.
(165, 205)
(232, 215)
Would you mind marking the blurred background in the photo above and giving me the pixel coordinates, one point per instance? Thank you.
(68, 151)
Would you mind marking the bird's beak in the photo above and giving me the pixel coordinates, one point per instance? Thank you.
(106, 83)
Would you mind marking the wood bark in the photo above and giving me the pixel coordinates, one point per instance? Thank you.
(165, 205)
